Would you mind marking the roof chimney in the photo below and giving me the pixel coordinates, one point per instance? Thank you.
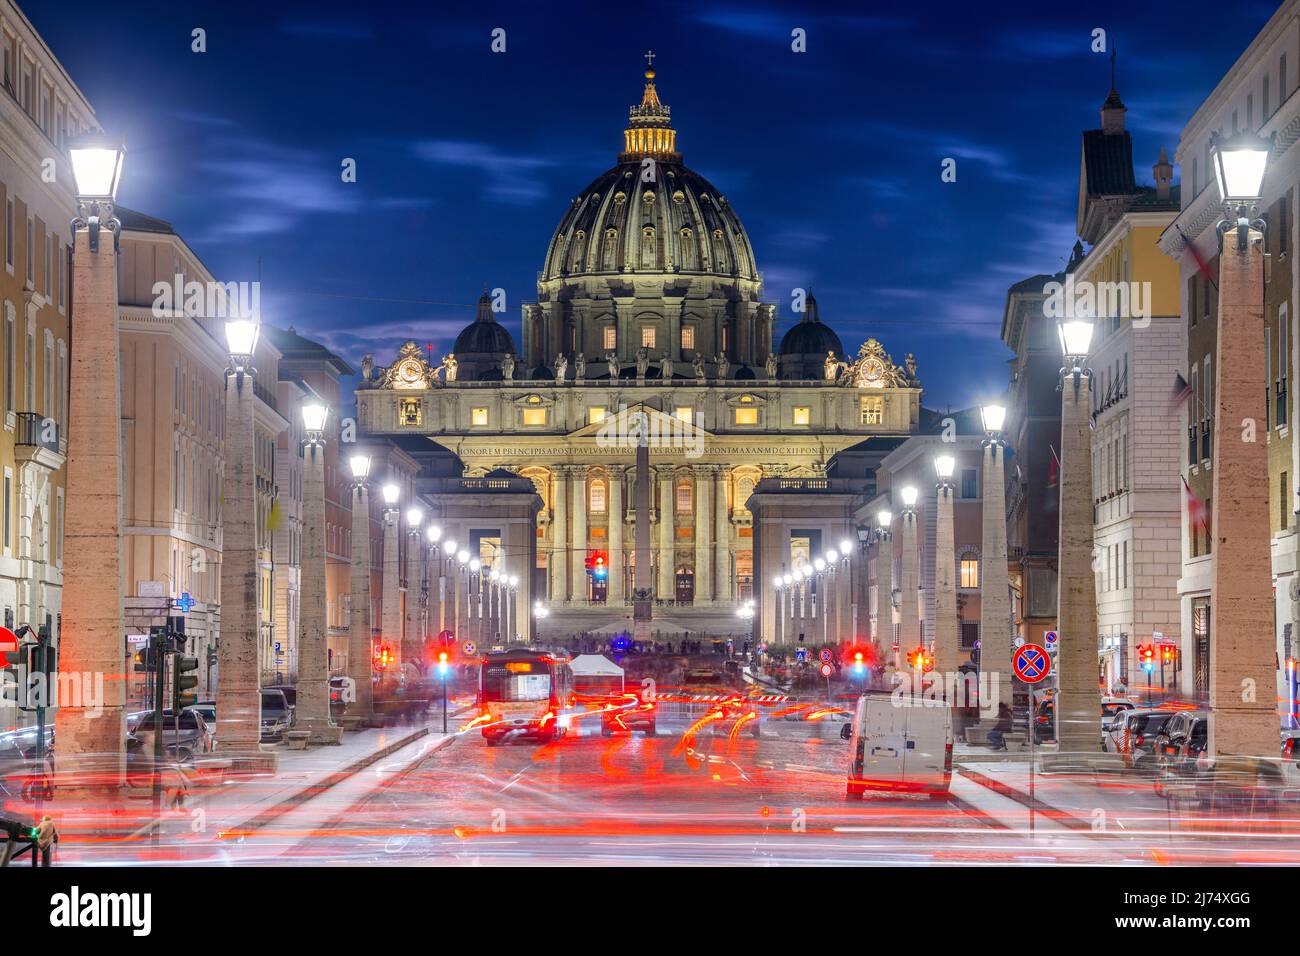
(1163, 171)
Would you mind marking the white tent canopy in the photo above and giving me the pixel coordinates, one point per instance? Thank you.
(594, 665)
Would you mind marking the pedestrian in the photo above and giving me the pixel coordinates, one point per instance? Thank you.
(997, 735)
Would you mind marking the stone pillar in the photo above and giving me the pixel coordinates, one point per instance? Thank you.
(667, 530)
(312, 711)
(1078, 699)
(703, 532)
(1243, 649)
(411, 637)
(778, 628)
(91, 637)
(725, 586)
(558, 566)
(581, 591)
(947, 644)
(909, 617)
(995, 589)
(360, 652)
(614, 591)
(390, 629)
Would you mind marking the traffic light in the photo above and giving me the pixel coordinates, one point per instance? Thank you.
(183, 682)
(920, 660)
(383, 657)
(1167, 653)
(442, 663)
(859, 663)
(1147, 654)
(598, 565)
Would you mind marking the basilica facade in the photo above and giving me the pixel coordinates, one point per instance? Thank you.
(649, 325)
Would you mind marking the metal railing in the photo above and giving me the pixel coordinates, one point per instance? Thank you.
(37, 431)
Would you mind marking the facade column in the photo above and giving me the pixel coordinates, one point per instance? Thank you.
(312, 712)
(614, 590)
(1243, 649)
(724, 567)
(995, 588)
(581, 591)
(666, 532)
(91, 637)
(947, 644)
(557, 567)
(1078, 699)
(703, 533)
(834, 574)
(360, 654)
(390, 630)
(411, 650)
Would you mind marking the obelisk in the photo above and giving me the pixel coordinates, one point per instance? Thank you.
(642, 582)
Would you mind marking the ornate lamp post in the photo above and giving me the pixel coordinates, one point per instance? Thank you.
(995, 591)
(947, 645)
(433, 571)
(778, 591)
(313, 706)
(390, 627)
(512, 630)
(474, 590)
(1243, 650)
(909, 612)
(1078, 700)
(360, 644)
(90, 638)
(884, 629)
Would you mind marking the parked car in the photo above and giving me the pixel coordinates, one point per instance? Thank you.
(277, 713)
(1132, 734)
(1045, 717)
(1178, 745)
(184, 735)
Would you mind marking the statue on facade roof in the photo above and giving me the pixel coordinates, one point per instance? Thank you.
(666, 367)
(561, 367)
(724, 366)
(449, 366)
(697, 366)
(508, 367)
(580, 367)
(367, 366)
(770, 365)
(642, 361)
(611, 362)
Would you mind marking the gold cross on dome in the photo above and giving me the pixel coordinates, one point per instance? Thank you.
(650, 58)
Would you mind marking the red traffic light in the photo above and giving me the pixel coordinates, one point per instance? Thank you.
(384, 657)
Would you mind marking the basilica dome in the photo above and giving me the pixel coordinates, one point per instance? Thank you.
(650, 217)
(485, 335)
(811, 336)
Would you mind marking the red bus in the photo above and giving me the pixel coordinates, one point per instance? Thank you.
(525, 693)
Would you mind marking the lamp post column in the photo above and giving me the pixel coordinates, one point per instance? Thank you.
(1078, 704)
(614, 590)
(909, 616)
(312, 712)
(1243, 676)
(580, 587)
(995, 591)
(391, 610)
(558, 568)
(360, 652)
(90, 639)
(947, 646)
(703, 532)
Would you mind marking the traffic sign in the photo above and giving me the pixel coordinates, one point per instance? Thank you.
(827, 670)
(8, 640)
(826, 655)
(1050, 638)
(1031, 664)
(470, 648)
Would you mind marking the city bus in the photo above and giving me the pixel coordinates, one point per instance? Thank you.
(525, 693)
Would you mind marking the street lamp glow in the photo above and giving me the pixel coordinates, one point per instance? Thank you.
(462, 556)
(1076, 338)
(1239, 165)
(360, 465)
(832, 556)
(414, 516)
(475, 564)
(778, 581)
(514, 580)
(449, 546)
(495, 575)
(845, 546)
(819, 564)
(313, 418)
(241, 340)
(944, 466)
(433, 533)
(96, 166)
(788, 580)
(884, 518)
(909, 496)
(390, 492)
(993, 416)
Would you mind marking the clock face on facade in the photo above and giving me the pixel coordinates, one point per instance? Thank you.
(873, 370)
(410, 374)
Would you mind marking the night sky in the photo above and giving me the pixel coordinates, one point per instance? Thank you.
(466, 159)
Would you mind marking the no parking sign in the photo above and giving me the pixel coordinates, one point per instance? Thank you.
(1031, 664)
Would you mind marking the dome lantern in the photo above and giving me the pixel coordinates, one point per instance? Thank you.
(649, 130)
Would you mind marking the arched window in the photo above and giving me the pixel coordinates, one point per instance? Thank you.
(610, 251)
(579, 246)
(744, 488)
(969, 570)
(648, 252)
(690, 257)
(597, 496)
(684, 497)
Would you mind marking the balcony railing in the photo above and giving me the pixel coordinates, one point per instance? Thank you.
(1192, 457)
(37, 431)
(1205, 440)
(1280, 414)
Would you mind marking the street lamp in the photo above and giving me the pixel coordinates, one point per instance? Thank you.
(434, 534)
(1240, 162)
(313, 705)
(947, 645)
(909, 614)
(993, 417)
(995, 593)
(360, 465)
(909, 495)
(241, 343)
(360, 638)
(413, 517)
(96, 171)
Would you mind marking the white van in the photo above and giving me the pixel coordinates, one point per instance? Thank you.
(900, 744)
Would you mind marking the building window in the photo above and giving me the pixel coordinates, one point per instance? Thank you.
(969, 483)
(31, 251)
(647, 337)
(609, 338)
(873, 410)
(688, 336)
(596, 414)
(1284, 498)
(802, 415)
(683, 497)
(9, 234)
(746, 416)
(408, 411)
(597, 496)
(9, 510)
(478, 416)
(970, 571)
(684, 413)
(11, 361)
(534, 416)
